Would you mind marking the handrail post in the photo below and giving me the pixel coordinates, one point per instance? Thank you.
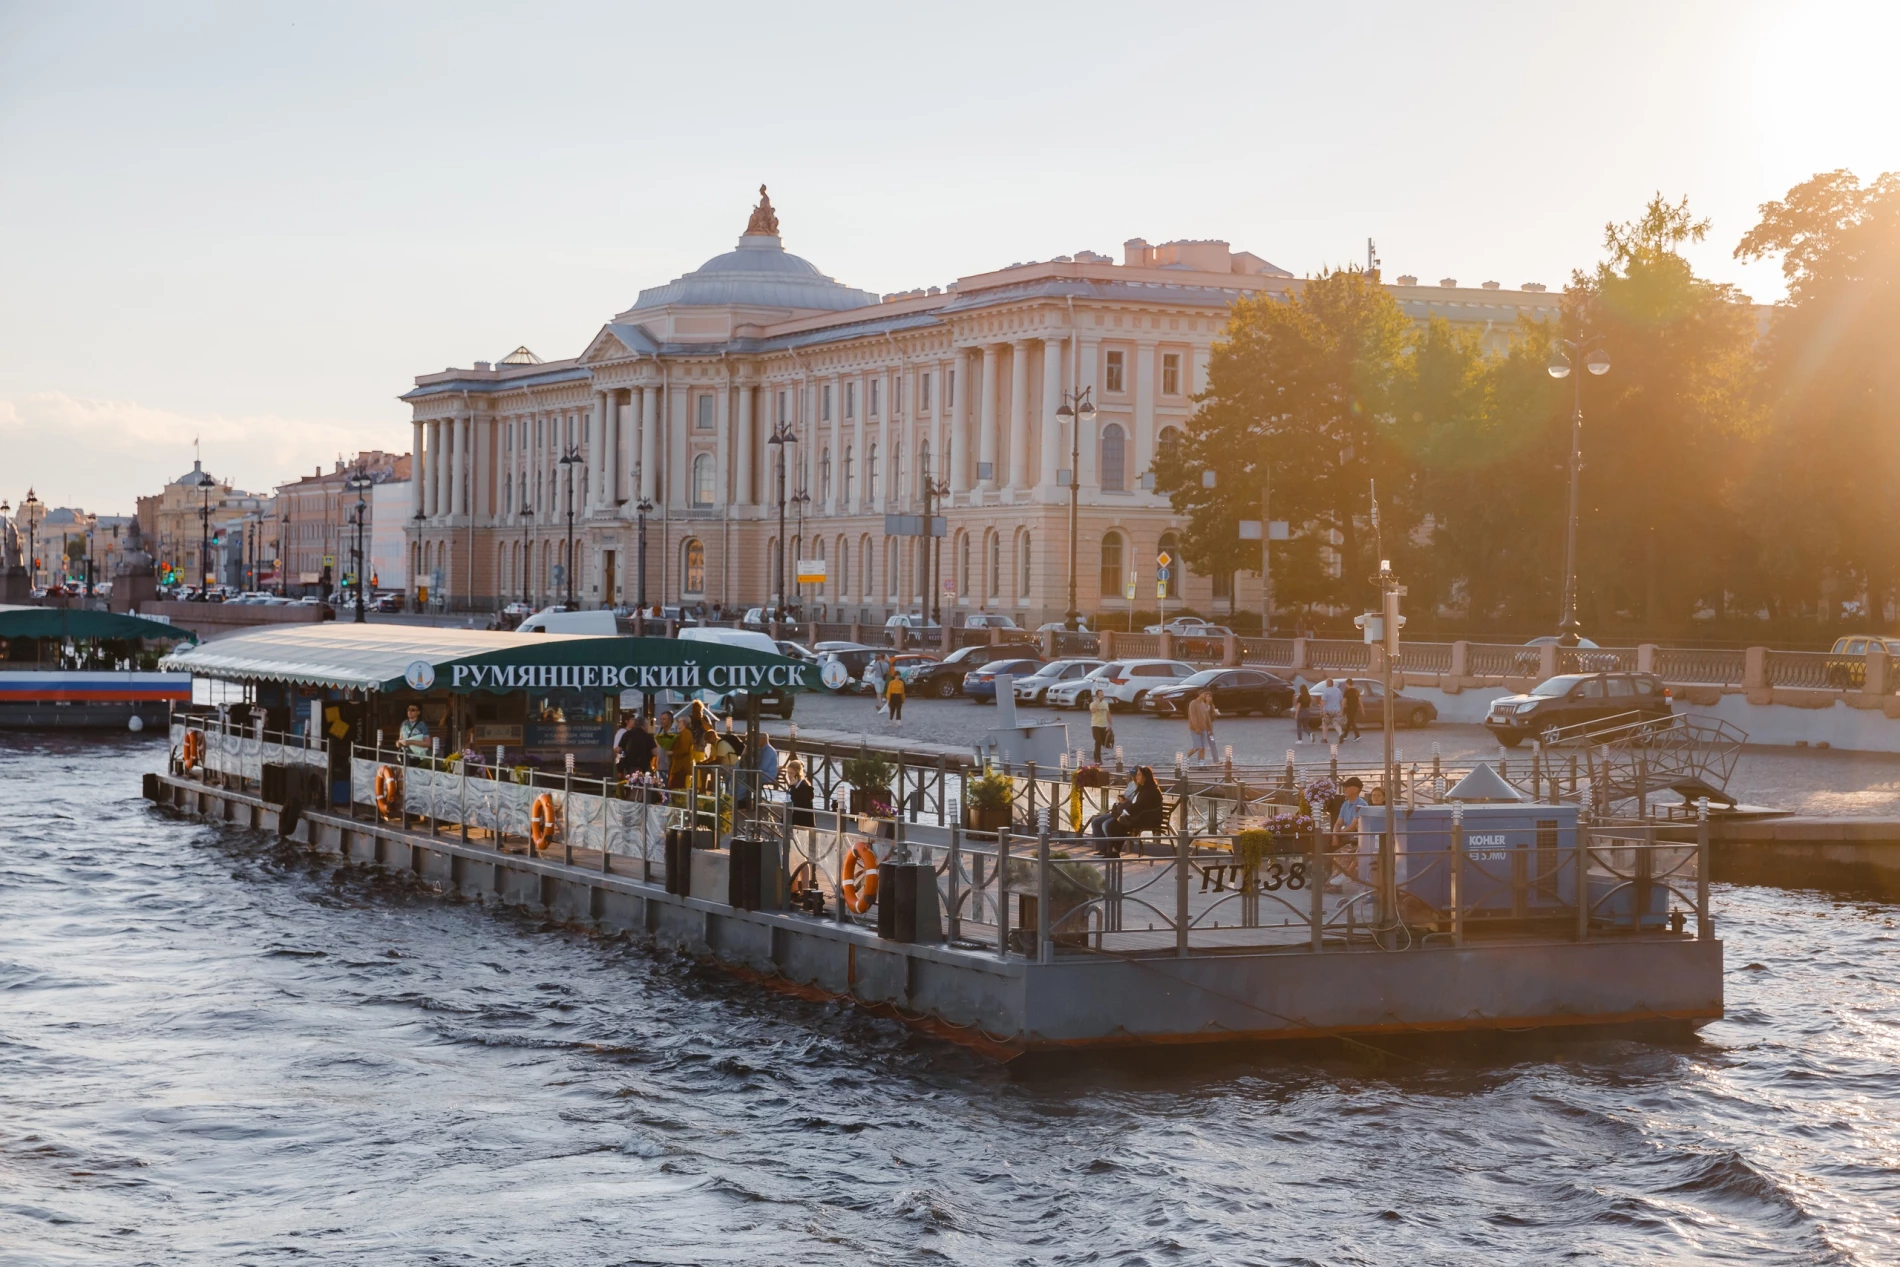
(953, 922)
(1044, 952)
(1181, 847)
(567, 812)
(1704, 930)
(1316, 888)
(464, 811)
(1583, 882)
(1002, 892)
(1457, 874)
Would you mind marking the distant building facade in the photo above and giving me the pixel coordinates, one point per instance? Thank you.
(184, 526)
(681, 410)
(317, 520)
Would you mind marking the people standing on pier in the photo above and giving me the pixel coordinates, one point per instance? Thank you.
(1100, 727)
(1350, 704)
(894, 698)
(801, 794)
(412, 738)
(637, 747)
(768, 761)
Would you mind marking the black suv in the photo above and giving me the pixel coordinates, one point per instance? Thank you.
(944, 679)
(1237, 692)
(1571, 699)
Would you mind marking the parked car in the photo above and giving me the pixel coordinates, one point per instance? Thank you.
(1570, 699)
(730, 702)
(988, 620)
(389, 602)
(855, 657)
(1846, 667)
(1406, 711)
(944, 678)
(979, 686)
(1237, 692)
(913, 621)
(1185, 625)
(1032, 689)
(1062, 626)
(1125, 687)
(797, 651)
(1576, 660)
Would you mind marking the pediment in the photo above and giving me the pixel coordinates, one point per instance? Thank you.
(606, 348)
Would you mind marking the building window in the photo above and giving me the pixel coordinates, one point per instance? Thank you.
(875, 384)
(850, 400)
(897, 395)
(949, 389)
(1114, 459)
(824, 477)
(1022, 566)
(868, 556)
(1165, 443)
(1114, 383)
(703, 478)
(923, 393)
(1224, 587)
(693, 567)
(845, 476)
(1112, 565)
(705, 413)
(537, 433)
(824, 404)
(1170, 373)
(1177, 567)
(870, 470)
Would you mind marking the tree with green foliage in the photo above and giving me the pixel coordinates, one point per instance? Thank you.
(1821, 491)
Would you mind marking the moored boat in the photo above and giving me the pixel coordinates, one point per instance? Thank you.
(74, 669)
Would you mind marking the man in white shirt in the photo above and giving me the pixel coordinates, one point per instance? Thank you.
(1332, 711)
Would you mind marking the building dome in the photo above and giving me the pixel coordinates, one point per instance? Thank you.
(760, 273)
(195, 476)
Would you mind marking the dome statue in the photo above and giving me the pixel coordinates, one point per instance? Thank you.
(759, 273)
(764, 220)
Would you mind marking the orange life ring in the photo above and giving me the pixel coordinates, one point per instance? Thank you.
(388, 791)
(541, 816)
(859, 883)
(194, 754)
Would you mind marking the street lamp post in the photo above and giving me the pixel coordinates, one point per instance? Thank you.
(1569, 628)
(361, 482)
(641, 509)
(31, 508)
(527, 556)
(798, 591)
(934, 490)
(781, 437)
(1077, 409)
(570, 460)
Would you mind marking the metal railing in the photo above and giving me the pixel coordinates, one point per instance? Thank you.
(1341, 656)
(1267, 652)
(1815, 670)
(1700, 666)
(1137, 646)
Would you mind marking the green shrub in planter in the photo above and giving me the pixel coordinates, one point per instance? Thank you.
(1252, 846)
(867, 773)
(990, 790)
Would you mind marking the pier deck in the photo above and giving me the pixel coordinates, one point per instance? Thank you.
(1134, 985)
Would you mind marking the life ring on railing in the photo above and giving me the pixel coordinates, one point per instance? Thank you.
(859, 882)
(388, 791)
(194, 749)
(541, 817)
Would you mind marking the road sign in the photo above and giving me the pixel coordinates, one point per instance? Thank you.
(811, 572)
(1162, 574)
(1164, 558)
(949, 587)
(1130, 589)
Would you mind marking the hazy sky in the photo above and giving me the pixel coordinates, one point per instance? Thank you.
(257, 223)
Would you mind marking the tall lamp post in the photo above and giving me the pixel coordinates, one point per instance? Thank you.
(527, 556)
(1597, 361)
(799, 499)
(782, 437)
(935, 490)
(641, 509)
(570, 460)
(361, 482)
(30, 509)
(1077, 409)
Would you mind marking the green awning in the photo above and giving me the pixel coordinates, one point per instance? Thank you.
(389, 657)
(71, 622)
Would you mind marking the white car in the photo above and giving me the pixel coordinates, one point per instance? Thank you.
(990, 620)
(1189, 625)
(1124, 682)
(1034, 689)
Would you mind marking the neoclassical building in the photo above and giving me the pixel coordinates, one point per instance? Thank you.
(684, 411)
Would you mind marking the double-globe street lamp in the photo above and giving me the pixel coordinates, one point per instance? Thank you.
(1077, 410)
(782, 437)
(361, 482)
(1597, 361)
(570, 460)
(641, 509)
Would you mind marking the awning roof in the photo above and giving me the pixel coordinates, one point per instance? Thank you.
(65, 622)
(385, 657)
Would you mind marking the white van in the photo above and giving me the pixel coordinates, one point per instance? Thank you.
(777, 702)
(558, 620)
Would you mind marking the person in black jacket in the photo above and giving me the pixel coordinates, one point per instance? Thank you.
(637, 749)
(801, 791)
(1139, 809)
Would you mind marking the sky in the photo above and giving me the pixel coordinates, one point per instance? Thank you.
(253, 224)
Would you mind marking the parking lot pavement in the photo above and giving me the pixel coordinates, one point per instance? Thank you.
(1801, 780)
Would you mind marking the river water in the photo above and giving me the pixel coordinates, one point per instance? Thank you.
(215, 1049)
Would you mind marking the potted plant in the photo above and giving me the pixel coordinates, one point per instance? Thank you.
(988, 799)
(870, 779)
(1073, 883)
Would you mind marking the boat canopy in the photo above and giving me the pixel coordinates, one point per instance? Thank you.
(72, 622)
(384, 657)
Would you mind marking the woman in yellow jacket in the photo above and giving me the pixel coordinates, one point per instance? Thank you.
(894, 698)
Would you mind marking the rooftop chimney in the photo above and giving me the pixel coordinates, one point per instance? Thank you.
(1449, 283)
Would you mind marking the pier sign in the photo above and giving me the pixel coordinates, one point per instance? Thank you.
(420, 675)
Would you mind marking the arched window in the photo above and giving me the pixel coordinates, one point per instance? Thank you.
(847, 475)
(692, 567)
(1171, 546)
(1166, 442)
(870, 473)
(1022, 564)
(1114, 459)
(824, 474)
(996, 564)
(844, 568)
(1112, 565)
(703, 480)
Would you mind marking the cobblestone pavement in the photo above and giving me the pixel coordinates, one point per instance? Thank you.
(1803, 780)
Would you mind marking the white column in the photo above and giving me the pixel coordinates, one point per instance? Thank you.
(1019, 414)
(597, 452)
(938, 471)
(857, 446)
(419, 469)
(649, 436)
(1051, 458)
(885, 400)
(724, 494)
(956, 410)
(438, 469)
(989, 441)
(678, 424)
(464, 464)
(1143, 390)
(611, 460)
(742, 444)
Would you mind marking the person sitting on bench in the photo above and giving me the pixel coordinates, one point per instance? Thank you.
(1138, 810)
